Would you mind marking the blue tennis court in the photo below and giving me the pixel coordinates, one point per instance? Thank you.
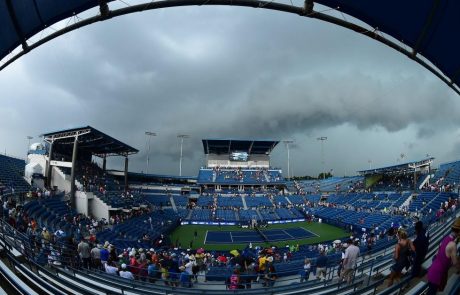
(270, 235)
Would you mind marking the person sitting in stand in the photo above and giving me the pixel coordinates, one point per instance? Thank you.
(110, 268)
(124, 273)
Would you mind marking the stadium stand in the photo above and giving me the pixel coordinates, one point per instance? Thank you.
(253, 202)
(229, 201)
(128, 233)
(205, 201)
(201, 215)
(11, 175)
(285, 213)
(280, 200)
(247, 215)
(140, 222)
(226, 215)
(296, 199)
(54, 214)
(287, 270)
(268, 214)
(181, 201)
(120, 200)
(159, 200)
(239, 176)
(447, 173)
(332, 184)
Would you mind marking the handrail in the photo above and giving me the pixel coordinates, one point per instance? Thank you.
(14, 281)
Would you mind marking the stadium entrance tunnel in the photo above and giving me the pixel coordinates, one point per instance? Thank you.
(419, 32)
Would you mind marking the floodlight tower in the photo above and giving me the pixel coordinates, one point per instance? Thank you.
(150, 135)
(181, 136)
(322, 139)
(287, 142)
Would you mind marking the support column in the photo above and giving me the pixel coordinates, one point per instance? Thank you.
(308, 6)
(104, 8)
(104, 163)
(429, 172)
(48, 165)
(126, 173)
(72, 173)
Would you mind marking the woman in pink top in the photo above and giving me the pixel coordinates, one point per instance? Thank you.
(445, 258)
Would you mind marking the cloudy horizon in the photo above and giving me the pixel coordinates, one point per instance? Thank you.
(230, 72)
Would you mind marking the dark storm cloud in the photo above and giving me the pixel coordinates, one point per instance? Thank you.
(453, 150)
(426, 131)
(222, 72)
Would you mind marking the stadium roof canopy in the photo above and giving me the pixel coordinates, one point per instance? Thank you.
(423, 30)
(398, 169)
(90, 140)
(226, 146)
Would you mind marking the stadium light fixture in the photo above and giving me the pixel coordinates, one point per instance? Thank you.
(181, 137)
(322, 139)
(287, 142)
(149, 135)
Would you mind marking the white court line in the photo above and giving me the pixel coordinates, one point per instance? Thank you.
(289, 234)
(309, 232)
(205, 237)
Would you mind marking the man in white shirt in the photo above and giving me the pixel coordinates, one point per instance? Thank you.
(96, 256)
(110, 269)
(350, 260)
(126, 273)
(188, 267)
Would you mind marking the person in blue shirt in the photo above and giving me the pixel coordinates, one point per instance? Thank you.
(321, 264)
(152, 272)
(185, 279)
(104, 254)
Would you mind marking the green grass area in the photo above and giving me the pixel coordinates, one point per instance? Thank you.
(184, 234)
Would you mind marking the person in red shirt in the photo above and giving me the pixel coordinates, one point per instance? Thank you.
(133, 265)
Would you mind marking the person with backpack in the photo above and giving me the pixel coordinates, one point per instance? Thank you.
(401, 256)
(421, 243)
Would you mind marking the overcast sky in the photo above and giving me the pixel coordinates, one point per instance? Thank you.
(229, 72)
